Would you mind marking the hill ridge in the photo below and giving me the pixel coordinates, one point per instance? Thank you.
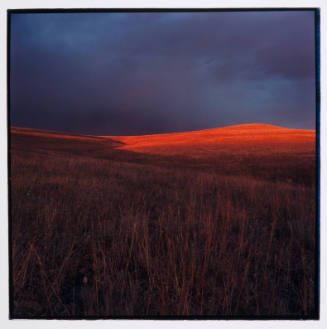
(17, 129)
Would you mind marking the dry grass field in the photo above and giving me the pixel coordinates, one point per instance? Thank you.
(217, 223)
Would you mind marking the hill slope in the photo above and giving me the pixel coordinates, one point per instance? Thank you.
(238, 139)
(256, 150)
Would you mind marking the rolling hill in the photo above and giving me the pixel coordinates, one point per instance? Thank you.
(217, 222)
(258, 150)
(234, 139)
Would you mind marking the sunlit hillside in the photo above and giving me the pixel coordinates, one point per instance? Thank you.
(235, 139)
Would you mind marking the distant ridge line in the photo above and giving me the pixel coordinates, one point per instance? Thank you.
(258, 126)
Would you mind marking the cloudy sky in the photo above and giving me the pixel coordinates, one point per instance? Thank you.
(155, 72)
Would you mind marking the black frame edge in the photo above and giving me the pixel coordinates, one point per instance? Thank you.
(316, 10)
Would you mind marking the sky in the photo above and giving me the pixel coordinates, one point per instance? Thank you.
(134, 73)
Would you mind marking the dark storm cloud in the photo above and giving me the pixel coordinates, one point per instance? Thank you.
(135, 73)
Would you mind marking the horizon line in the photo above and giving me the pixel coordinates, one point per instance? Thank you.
(155, 134)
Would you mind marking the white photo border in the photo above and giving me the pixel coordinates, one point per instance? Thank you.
(148, 4)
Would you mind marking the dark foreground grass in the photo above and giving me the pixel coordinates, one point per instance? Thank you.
(96, 236)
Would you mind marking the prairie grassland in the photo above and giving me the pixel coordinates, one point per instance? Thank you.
(98, 231)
